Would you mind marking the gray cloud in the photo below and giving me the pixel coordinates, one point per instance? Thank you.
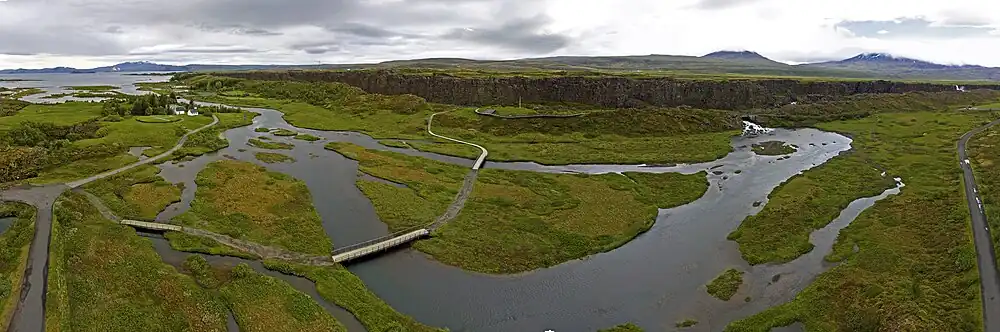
(912, 27)
(521, 34)
(131, 28)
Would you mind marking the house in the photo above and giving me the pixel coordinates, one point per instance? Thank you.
(192, 112)
(178, 110)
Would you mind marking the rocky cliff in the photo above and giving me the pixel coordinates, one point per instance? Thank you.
(609, 91)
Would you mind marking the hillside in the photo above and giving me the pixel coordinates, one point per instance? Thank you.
(724, 63)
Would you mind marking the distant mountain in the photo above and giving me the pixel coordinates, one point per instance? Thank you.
(862, 66)
(888, 65)
(747, 56)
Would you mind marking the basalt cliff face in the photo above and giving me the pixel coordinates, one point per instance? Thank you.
(612, 92)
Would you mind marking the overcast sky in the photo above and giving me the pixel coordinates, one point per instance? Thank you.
(88, 33)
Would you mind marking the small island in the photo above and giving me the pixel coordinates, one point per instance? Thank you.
(774, 148)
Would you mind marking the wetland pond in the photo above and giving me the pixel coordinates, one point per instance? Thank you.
(655, 280)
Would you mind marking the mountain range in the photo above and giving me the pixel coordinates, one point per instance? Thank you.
(866, 65)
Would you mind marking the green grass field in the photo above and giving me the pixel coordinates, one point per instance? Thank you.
(804, 203)
(60, 114)
(192, 243)
(914, 268)
(158, 118)
(104, 277)
(248, 202)
(262, 303)
(517, 221)
(138, 193)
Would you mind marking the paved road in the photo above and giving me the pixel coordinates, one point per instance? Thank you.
(30, 312)
(988, 274)
(482, 157)
(180, 144)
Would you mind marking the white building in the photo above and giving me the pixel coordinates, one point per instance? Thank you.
(179, 110)
(192, 112)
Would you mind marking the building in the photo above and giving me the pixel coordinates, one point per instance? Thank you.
(178, 110)
(192, 112)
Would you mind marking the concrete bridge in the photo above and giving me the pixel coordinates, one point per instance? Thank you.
(377, 245)
(152, 226)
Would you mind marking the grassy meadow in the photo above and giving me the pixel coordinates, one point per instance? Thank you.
(780, 232)
(139, 193)
(248, 202)
(914, 267)
(104, 277)
(265, 304)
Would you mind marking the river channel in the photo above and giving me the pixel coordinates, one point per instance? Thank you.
(654, 281)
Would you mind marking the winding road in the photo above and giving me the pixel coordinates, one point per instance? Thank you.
(988, 274)
(30, 312)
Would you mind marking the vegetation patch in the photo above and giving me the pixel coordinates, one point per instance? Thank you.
(908, 262)
(158, 118)
(307, 137)
(726, 284)
(395, 143)
(262, 130)
(517, 221)
(338, 285)
(14, 244)
(193, 243)
(780, 232)
(271, 158)
(262, 303)
(93, 88)
(245, 201)
(773, 148)
(623, 328)
(104, 277)
(284, 132)
(261, 144)
(686, 323)
(139, 193)
(212, 139)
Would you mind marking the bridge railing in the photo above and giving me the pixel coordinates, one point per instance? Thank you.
(355, 246)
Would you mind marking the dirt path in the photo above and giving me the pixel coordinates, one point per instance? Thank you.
(180, 144)
(459, 202)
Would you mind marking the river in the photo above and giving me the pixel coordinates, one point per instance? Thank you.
(654, 281)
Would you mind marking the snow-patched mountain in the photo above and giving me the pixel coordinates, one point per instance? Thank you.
(892, 66)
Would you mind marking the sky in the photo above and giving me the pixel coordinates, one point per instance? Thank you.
(91, 33)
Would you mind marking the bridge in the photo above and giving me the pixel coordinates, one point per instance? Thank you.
(377, 245)
(152, 226)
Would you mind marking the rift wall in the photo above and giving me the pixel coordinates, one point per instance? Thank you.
(612, 92)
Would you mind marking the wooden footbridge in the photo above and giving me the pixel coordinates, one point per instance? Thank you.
(377, 245)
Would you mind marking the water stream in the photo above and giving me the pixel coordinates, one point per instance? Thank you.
(645, 281)
(654, 281)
